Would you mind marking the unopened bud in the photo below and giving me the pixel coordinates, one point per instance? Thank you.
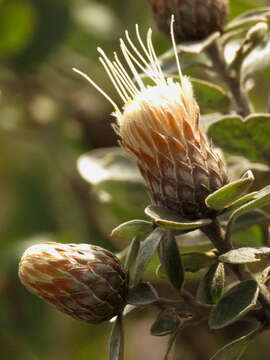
(195, 19)
(81, 280)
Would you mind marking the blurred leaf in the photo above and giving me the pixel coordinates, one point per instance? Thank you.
(195, 261)
(171, 260)
(171, 220)
(255, 37)
(17, 23)
(212, 285)
(258, 59)
(245, 255)
(211, 98)
(235, 349)
(234, 304)
(108, 164)
(261, 199)
(166, 323)
(142, 294)
(52, 21)
(224, 196)
(146, 251)
(129, 229)
(249, 137)
(249, 17)
(117, 340)
(195, 47)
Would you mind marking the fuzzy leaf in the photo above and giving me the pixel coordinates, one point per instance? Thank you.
(167, 218)
(142, 294)
(245, 255)
(224, 196)
(212, 285)
(116, 341)
(211, 98)
(234, 304)
(171, 260)
(129, 229)
(146, 251)
(260, 199)
(249, 137)
(166, 323)
(132, 252)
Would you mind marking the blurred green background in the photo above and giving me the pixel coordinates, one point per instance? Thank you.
(49, 117)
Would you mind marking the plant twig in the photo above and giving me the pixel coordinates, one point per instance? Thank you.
(233, 81)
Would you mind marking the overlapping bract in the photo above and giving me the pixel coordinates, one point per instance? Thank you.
(84, 281)
(195, 19)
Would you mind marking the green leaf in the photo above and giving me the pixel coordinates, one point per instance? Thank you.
(260, 199)
(245, 255)
(243, 199)
(212, 285)
(146, 251)
(166, 323)
(142, 294)
(117, 341)
(224, 196)
(249, 137)
(132, 252)
(169, 219)
(129, 229)
(211, 98)
(171, 260)
(234, 304)
(235, 349)
(254, 217)
(195, 261)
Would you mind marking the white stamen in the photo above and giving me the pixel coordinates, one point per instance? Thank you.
(107, 69)
(102, 92)
(128, 80)
(175, 52)
(113, 74)
(132, 67)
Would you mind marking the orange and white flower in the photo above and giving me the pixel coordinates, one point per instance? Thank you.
(159, 125)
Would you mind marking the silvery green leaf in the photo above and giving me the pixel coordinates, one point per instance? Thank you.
(117, 341)
(234, 304)
(226, 195)
(142, 294)
(146, 251)
(171, 260)
(129, 229)
(245, 255)
(212, 285)
(171, 220)
(166, 323)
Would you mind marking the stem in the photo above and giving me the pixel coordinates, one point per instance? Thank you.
(242, 103)
(217, 235)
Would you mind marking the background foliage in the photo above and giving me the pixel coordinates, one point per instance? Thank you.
(50, 117)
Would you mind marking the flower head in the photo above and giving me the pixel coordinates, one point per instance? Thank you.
(81, 280)
(159, 125)
(195, 19)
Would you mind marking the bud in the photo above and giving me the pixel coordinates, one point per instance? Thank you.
(81, 280)
(195, 19)
(159, 125)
